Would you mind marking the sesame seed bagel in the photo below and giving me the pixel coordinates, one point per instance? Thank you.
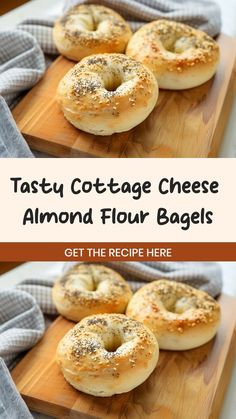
(181, 317)
(107, 93)
(90, 289)
(107, 354)
(90, 29)
(180, 57)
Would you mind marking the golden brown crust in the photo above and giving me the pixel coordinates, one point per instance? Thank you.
(179, 55)
(107, 93)
(180, 316)
(89, 289)
(117, 352)
(90, 29)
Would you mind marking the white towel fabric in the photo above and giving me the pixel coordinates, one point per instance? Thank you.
(203, 275)
(22, 50)
(21, 324)
(12, 144)
(21, 63)
(12, 406)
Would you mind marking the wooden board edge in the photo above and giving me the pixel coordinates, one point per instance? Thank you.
(51, 409)
(45, 408)
(63, 151)
(225, 111)
(224, 378)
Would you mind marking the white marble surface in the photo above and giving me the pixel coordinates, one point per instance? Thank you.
(34, 269)
(45, 8)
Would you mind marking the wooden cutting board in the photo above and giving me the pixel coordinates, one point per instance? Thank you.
(187, 123)
(189, 384)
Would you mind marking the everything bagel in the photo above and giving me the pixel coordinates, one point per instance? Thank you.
(90, 29)
(87, 289)
(181, 317)
(107, 354)
(180, 56)
(107, 93)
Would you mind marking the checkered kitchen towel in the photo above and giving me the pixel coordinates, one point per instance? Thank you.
(22, 61)
(22, 323)
(202, 14)
(21, 327)
(12, 406)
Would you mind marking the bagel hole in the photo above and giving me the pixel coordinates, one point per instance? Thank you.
(112, 83)
(87, 24)
(94, 28)
(177, 305)
(179, 45)
(172, 308)
(111, 345)
(168, 302)
(94, 286)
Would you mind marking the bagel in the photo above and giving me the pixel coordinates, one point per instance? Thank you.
(90, 29)
(107, 93)
(107, 354)
(90, 289)
(181, 317)
(181, 57)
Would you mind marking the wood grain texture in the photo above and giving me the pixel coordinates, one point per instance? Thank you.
(187, 123)
(188, 384)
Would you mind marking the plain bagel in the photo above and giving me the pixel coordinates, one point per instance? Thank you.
(107, 93)
(90, 29)
(180, 56)
(107, 354)
(87, 289)
(181, 317)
